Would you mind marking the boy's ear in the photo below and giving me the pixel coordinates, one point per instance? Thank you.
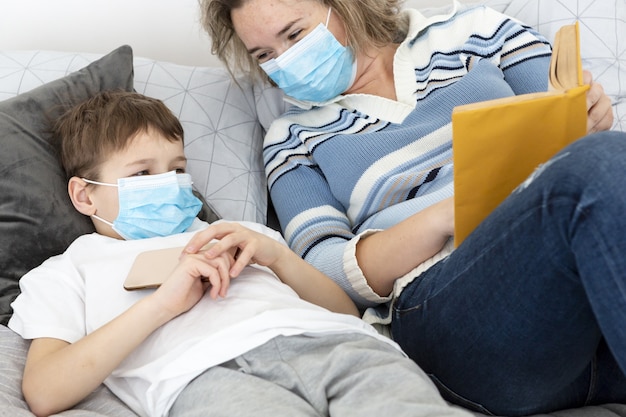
(77, 189)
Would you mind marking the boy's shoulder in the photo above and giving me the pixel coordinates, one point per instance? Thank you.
(88, 241)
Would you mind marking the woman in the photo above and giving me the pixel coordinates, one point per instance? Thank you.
(526, 316)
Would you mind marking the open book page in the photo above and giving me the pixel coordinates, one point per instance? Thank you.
(566, 66)
(498, 143)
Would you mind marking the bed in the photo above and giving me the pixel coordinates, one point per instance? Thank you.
(53, 50)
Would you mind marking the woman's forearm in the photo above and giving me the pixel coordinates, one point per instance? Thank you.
(386, 255)
(312, 285)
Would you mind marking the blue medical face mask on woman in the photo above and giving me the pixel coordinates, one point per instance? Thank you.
(153, 205)
(316, 68)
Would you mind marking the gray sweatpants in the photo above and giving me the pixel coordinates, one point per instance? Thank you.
(325, 375)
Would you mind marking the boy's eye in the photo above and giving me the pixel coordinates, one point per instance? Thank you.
(140, 173)
(180, 170)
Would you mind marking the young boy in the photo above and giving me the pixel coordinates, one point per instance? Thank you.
(263, 344)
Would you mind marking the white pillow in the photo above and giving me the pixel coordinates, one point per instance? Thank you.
(223, 138)
(602, 35)
(21, 71)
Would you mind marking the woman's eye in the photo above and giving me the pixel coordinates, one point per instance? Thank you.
(140, 173)
(262, 57)
(294, 35)
(180, 170)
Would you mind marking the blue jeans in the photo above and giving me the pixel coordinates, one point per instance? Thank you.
(528, 314)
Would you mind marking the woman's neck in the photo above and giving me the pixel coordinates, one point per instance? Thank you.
(375, 73)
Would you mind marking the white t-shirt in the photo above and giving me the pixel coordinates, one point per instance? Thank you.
(71, 295)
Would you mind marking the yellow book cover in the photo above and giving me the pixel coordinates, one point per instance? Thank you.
(498, 143)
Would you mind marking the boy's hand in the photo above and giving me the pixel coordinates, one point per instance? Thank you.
(252, 247)
(308, 282)
(193, 275)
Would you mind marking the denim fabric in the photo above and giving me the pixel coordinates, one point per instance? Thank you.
(528, 314)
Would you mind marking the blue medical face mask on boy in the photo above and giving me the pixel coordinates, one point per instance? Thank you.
(153, 205)
(316, 68)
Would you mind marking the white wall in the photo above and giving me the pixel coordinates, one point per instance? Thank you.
(166, 30)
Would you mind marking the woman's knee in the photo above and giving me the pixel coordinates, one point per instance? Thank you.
(598, 149)
(593, 161)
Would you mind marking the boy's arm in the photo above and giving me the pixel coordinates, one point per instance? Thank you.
(308, 282)
(58, 374)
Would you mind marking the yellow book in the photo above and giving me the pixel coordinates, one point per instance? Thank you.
(498, 143)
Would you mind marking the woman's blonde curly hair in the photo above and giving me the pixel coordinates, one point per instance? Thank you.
(368, 23)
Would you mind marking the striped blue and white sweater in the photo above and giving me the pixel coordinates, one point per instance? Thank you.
(359, 163)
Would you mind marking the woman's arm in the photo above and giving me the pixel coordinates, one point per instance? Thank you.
(58, 374)
(391, 253)
(308, 282)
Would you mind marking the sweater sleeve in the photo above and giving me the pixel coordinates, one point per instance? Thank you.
(521, 52)
(444, 48)
(314, 222)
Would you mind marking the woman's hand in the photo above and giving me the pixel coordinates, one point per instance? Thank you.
(599, 110)
(251, 247)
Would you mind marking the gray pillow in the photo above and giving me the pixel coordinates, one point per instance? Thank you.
(37, 219)
(13, 350)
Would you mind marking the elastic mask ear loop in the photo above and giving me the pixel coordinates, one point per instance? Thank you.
(102, 220)
(328, 17)
(100, 183)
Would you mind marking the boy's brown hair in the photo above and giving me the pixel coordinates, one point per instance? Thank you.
(106, 123)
